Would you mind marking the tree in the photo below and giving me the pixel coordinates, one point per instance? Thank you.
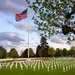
(39, 51)
(72, 51)
(13, 53)
(3, 52)
(25, 53)
(42, 49)
(44, 46)
(65, 52)
(31, 53)
(0, 54)
(54, 16)
(58, 52)
(51, 51)
(73, 48)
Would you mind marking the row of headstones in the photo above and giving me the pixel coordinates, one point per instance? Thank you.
(48, 65)
(10, 64)
(69, 67)
(26, 64)
(45, 64)
(66, 65)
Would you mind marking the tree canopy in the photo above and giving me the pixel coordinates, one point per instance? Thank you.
(3, 52)
(13, 53)
(42, 49)
(25, 53)
(54, 17)
(51, 51)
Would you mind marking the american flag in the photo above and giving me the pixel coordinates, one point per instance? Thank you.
(21, 16)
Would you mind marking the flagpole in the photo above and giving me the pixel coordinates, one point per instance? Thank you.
(28, 37)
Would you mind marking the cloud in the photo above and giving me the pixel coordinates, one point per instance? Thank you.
(56, 39)
(26, 27)
(62, 36)
(20, 3)
(59, 45)
(7, 6)
(7, 44)
(11, 7)
(10, 39)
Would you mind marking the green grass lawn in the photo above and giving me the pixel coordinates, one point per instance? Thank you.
(18, 71)
(30, 71)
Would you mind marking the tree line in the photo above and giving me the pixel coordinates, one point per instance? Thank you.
(42, 50)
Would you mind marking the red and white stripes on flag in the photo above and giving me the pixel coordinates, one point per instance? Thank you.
(21, 16)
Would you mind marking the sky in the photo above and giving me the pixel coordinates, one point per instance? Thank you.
(15, 34)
